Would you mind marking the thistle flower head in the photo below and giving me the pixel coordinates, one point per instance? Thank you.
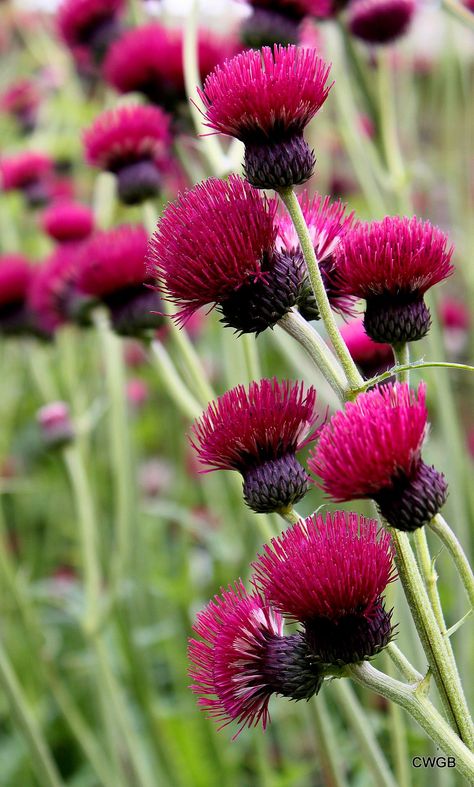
(68, 221)
(266, 99)
(380, 21)
(392, 263)
(242, 658)
(329, 573)
(16, 275)
(371, 357)
(372, 449)
(28, 172)
(276, 22)
(51, 295)
(21, 100)
(88, 23)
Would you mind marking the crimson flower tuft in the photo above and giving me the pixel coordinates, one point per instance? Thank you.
(266, 99)
(392, 263)
(28, 172)
(257, 431)
(111, 269)
(216, 246)
(380, 21)
(52, 296)
(328, 224)
(371, 357)
(89, 25)
(131, 142)
(16, 275)
(372, 449)
(276, 22)
(329, 573)
(242, 658)
(21, 101)
(68, 222)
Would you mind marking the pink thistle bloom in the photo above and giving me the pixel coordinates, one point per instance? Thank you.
(257, 431)
(266, 99)
(328, 224)
(21, 100)
(68, 222)
(372, 449)
(380, 21)
(138, 392)
(28, 172)
(54, 420)
(455, 319)
(371, 357)
(131, 142)
(242, 658)
(392, 263)
(111, 269)
(89, 24)
(329, 573)
(52, 298)
(277, 22)
(149, 59)
(215, 246)
(16, 275)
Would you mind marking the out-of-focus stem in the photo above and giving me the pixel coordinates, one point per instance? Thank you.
(175, 386)
(327, 743)
(439, 526)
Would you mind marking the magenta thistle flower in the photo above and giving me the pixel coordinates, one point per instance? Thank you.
(392, 263)
(328, 224)
(21, 101)
(68, 222)
(242, 658)
(131, 142)
(276, 22)
(55, 423)
(372, 449)
(89, 24)
(266, 99)
(380, 21)
(329, 573)
(16, 275)
(112, 270)
(28, 172)
(371, 357)
(258, 431)
(215, 246)
(52, 296)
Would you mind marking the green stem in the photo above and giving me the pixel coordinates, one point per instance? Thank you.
(360, 726)
(412, 699)
(41, 760)
(439, 526)
(459, 12)
(402, 663)
(252, 360)
(175, 386)
(402, 357)
(327, 743)
(390, 141)
(294, 209)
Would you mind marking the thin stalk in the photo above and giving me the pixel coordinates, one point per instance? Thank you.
(402, 358)
(402, 663)
(413, 700)
(294, 209)
(360, 726)
(439, 526)
(175, 386)
(459, 12)
(42, 761)
(388, 127)
(327, 743)
(252, 361)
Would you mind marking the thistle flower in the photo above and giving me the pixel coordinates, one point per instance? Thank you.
(54, 421)
(327, 224)
(258, 432)
(111, 269)
(21, 101)
(16, 275)
(266, 99)
(455, 318)
(68, 222)
(372, 449)
(371, 357)
(392, 263)
(52, 297)
(380, 21)
(89, 25)
(130, 141)
(215, 245)
(29, 173)
(149, 59)
(242, 658)
(276, 22)
(329, 573)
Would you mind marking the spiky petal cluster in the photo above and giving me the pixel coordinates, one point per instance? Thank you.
(258, 431)
(380, 21)
(130, 141)
(111, 269)
(266, 99)
(329, 573)
(149, 59)
(371, 357)
(16, 275)
(52, 294)
(88, 23)
(28, 172)
(215, 245)
(392, 263)
(242, 658)
(68, 222)
(328, 224)
(372, 449)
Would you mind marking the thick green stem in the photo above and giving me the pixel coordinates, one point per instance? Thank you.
(439, 526)
(413, 700)
(294, 209)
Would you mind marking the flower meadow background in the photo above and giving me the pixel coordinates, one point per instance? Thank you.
(111, 539)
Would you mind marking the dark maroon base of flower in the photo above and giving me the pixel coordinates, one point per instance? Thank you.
(396, 319)
(289, 669)
(377, 24)
(135, 310)
(99, 36)
(412, 502)
(138, 182)
(265, 27)
(35, 194)
(274, 485)
(259, 305)
(349, 639)
(275, 165)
